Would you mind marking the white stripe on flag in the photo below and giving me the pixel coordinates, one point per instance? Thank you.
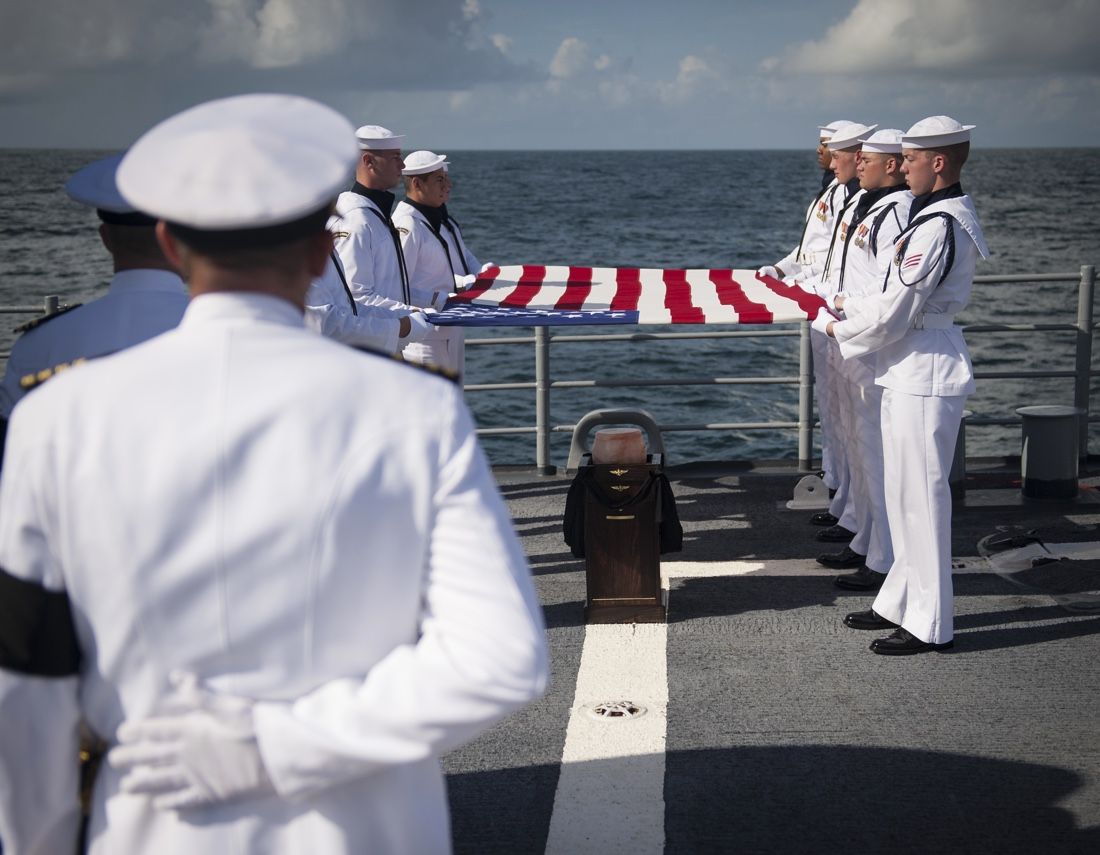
(603, 290)
(783, 308)
(651, 305)
(705, 296)
(553, 288)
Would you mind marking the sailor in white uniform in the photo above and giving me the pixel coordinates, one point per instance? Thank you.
(283, 580)
(145, 297)
(807, 261)
(873, 222)
(834, 412)
(436, 256)
(923, 365)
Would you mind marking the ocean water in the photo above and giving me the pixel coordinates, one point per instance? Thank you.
(679, 209)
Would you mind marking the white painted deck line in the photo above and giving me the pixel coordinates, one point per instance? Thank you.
(610, 796)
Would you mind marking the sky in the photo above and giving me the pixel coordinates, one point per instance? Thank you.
(560, 74)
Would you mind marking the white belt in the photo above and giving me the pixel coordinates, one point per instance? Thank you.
(926, 321)
(806, 258)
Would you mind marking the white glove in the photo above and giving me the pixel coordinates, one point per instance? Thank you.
(768, 270)
(822, 321)
(203, 753)
(419, 327)
(464, 282)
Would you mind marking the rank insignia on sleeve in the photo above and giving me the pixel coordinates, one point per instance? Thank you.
(403, 230)
(912, 261)
(340, 235)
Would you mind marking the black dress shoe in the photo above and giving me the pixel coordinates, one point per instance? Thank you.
(863, 579)
(903, 643)
(847, 557)
(869, 619)
(823, 518)
(835, 534)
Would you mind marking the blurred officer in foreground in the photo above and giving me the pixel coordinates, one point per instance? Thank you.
(145, 297)
(285, 582)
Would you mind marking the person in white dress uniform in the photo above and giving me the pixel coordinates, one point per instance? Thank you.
(284, 582)
(835, 416)
(873, 222)
(436, 256)
(923, 365)
(145, 297)
(807, 261)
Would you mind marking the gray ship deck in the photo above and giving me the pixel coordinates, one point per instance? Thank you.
(783, 732)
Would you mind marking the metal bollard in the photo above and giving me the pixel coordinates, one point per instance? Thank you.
(1048, 455)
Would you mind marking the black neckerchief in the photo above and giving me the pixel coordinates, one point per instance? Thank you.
(453, 227)
(382, 198)
(435, 215)
(952, 192)
(868, 199)
(826, 179)
(851, 186)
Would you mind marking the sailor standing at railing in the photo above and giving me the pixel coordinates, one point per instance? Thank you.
(367, 242)
(145, 297)
(836, 424)
(806, 260)
(276, 569)
(436, 256)
(878, 216)
(923, 365)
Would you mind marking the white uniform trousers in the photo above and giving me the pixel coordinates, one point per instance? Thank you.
(443, 347)
(918, 442)
(839, 415)
(819, 346)
(865, 464)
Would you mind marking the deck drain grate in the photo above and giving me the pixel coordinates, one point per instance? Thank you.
(615, 710)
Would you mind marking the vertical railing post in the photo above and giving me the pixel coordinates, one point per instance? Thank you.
(1082, 382)
(805, 399)
(542, 401)
(51, 304)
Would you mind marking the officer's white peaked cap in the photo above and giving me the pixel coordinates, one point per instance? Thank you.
(94, 185)
(826, 131)
(936, 132)
(848, 135)
(885, 141)
(423, 162)
(377, 138)
(245, 162)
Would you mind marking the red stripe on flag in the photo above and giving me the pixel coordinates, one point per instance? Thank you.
(578, 286)
(482, 284)
(807, 302)
(530, 283)
(678, 299)
(730, 293)
(628, 288)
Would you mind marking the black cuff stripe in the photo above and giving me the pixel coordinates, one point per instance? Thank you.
(37, 635)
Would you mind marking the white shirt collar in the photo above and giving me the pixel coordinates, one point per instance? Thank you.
(241, 306)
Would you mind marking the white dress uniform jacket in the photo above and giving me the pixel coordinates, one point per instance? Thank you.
(808, 258)
(138, 305)
(292, 521)
(435, 262)
(922, 363)
(372, 264)
(331, 310)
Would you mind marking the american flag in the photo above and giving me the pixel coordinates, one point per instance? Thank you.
(531, 295)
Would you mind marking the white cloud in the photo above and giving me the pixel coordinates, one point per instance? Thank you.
(943, 37)
(501, 42)
(692, 75)
(572, 58)
(471, 9)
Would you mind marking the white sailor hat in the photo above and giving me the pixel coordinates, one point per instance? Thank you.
(377, 138)
(423, 162)
(936, 132)
(94, 185)
(247, 170)
(885, 141)
(848, 135)
(826, 131)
